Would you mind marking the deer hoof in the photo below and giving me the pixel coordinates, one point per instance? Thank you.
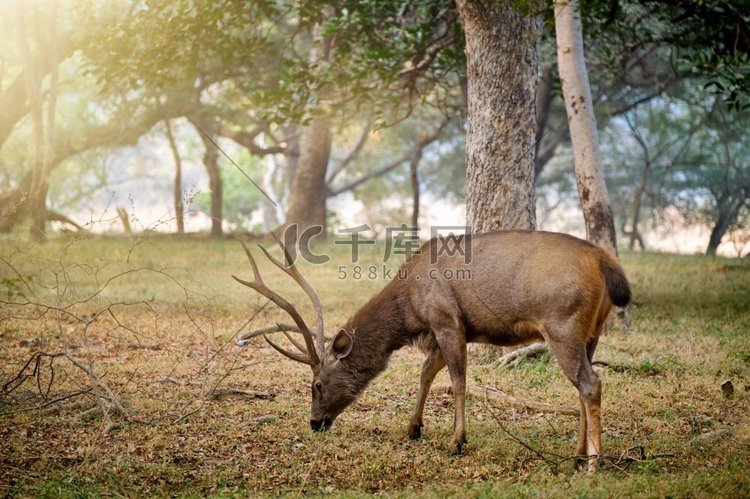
(589, 464)
(458, 446)
(415, 431)
(594, 463)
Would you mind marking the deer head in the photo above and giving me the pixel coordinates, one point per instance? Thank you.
(332, 391)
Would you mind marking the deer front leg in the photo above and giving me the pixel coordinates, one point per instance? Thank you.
(430, 368)
(453, 347)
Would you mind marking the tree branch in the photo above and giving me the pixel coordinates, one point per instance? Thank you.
(353, 152)
(423, 142)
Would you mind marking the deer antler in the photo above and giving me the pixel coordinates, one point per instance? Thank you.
(311, 356)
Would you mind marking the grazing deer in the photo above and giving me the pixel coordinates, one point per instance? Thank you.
(517, 287)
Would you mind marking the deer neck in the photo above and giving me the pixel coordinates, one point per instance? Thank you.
(378, 328)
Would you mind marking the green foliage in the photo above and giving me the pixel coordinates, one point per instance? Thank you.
(261, 49)
(706, 38)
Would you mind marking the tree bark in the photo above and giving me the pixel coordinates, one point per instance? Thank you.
(414, 170)
(14, 103)
(592, 190)
(501, 69)
(38, 149)
(727, 215)
(179, 209)
(501, 54)
(211, 163)
(14, 204)
(635, 234)
(273, 213)
(307, 197)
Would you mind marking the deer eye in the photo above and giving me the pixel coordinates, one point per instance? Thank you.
(318, 386)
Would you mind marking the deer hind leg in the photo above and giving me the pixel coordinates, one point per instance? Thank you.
(574, 360)
(453, 347)
(431, 367)
(582, 446)
(581, 449)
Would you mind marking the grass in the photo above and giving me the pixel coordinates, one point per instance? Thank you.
(175, 309)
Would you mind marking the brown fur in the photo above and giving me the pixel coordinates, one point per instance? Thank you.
(523, 286)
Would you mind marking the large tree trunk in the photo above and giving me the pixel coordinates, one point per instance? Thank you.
(38, 148)
(14, 104)
(307, 198)
(501, 54)
(592, 191)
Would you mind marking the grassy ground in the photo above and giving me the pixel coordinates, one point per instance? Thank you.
(166, 309)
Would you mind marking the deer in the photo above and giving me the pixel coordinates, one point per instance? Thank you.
(516, 287)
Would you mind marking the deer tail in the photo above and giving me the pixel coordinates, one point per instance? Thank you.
(614, 277)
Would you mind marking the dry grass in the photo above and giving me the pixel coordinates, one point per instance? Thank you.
(178, 315)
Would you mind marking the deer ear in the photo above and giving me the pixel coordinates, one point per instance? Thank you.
(342, 344)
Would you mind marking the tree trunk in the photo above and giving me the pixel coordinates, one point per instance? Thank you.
(211, 163)
(501, 54)
(501, 60)
(592, 191)
(179, 210)
(635, 234)
(307, 198)
(38, 211)
(291, 157)
(14, 103)
(544, 98)
(414, 166)
(727, 215)
(122, 214)
(37, 150)
(14, 204)
(273, 213)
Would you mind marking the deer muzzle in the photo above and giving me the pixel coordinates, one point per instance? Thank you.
(321, 425)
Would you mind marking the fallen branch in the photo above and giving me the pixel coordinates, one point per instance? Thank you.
(613, 367)
(517, 355)
(96, 382)
(220, 393)
(141, 346)
(488, 392)
(48, 403)
(554, 460)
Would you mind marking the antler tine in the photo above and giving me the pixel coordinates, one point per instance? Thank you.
(256, 272)
(245, 338)
(294, 342)
(294, 273)
(284, 351)
(258, 285)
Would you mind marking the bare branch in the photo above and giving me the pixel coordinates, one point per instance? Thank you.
(423, 142)
(353, 152)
